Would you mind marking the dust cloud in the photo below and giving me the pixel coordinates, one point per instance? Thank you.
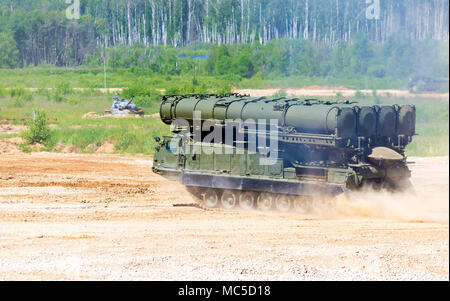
(407, 206)
(426, 201)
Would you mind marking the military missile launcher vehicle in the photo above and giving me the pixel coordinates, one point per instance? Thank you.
(260, 152)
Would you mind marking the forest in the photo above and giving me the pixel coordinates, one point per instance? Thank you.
(155, 47)
(243, 38)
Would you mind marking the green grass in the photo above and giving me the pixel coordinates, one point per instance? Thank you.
(84, 77)
(3, 136)
(130, 135)
(433, 130)
(135, 135)
(39, 77)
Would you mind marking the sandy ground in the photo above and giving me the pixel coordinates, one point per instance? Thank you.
(79, 217)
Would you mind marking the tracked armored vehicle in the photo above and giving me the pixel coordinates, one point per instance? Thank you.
(257, 152)
(123, 107)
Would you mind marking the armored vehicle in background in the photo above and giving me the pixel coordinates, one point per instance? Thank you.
(123, 106)
(428, 84)
(322, 148)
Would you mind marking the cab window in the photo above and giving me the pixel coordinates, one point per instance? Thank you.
(172, 146)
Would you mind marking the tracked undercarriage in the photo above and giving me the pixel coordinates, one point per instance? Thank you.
(213, 199)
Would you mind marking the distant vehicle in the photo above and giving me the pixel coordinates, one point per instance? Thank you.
(324, 149)
(428, 84)
(123, 107)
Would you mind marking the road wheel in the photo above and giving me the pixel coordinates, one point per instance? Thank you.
(284, 202)
(247, 200)
(265, 201)
(303, 205)
(211, 198)
(229, 199)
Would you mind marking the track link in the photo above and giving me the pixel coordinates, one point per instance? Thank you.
(220, 200)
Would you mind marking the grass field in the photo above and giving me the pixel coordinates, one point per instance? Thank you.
(135, 135)
(94, 78)
(82, 77)
(128, 135)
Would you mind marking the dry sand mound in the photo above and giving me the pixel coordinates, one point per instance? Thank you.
(15, 140)
(95, 115)
(61, 148)
(11, 145)
(9, 129)
(7, 147)
(91, 115)
(106, 147)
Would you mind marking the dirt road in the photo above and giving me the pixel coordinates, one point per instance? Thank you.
(320, 91)
(312, 91)
(68, 216)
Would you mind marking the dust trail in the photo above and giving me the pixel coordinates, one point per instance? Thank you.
(428, 200)
(416, 204)
(408, 206)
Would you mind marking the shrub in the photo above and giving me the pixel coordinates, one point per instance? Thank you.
(143, 96)
(224, 89)
(21, 95)
(126, 140)
(42, 92)
(57, 96)
(143, 101)
(172, 91)
(280, 93)
(258, 76)
(74, 101)
(139, 90)
(38, 131)
(18, 103)
(16, 92)
(191, 89)
(63, 88)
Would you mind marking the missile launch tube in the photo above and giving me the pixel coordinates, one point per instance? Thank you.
(312, 117)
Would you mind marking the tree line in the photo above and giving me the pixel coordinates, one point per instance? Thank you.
(38, 32)
(397, 58)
